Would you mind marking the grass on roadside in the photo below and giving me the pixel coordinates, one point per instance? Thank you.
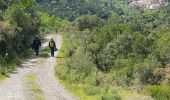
(2, 77)
(45, 53)
(89, 92)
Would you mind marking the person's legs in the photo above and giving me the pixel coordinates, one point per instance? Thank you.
(52, 52)
(37, 51)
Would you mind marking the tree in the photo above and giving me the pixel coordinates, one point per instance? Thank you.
(89, 22)
(26, 3)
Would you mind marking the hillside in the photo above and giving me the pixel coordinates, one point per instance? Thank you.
(125, 56)
(70, 10)
(110, 51)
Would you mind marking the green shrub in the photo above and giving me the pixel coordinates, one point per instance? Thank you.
(62, 72)
(89, 22)
(91, 79)
(159, 92)
(44, 55)
(124, 77)
(16, 36)
(146, 70)
(91, 90)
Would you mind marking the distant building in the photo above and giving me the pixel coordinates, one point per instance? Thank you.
(149, 4)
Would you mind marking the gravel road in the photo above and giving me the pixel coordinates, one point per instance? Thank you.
(14, 87)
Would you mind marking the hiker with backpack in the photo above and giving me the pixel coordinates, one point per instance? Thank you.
(52, 46)
(36, 45)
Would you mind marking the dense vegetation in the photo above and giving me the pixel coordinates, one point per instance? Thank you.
(18, 26)
(108, 50)
(71, 9)
(129, 50)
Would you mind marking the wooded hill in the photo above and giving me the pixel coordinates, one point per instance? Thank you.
(109, 50)
(71, 9)
(129, 48)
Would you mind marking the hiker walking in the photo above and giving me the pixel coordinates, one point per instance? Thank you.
(36, 45)
(52, 46)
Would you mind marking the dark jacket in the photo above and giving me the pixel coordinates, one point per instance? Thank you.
(36, 43)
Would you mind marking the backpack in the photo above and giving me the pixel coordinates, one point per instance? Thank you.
(51, 44)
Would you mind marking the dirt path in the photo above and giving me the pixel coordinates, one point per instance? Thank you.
(14, 87)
